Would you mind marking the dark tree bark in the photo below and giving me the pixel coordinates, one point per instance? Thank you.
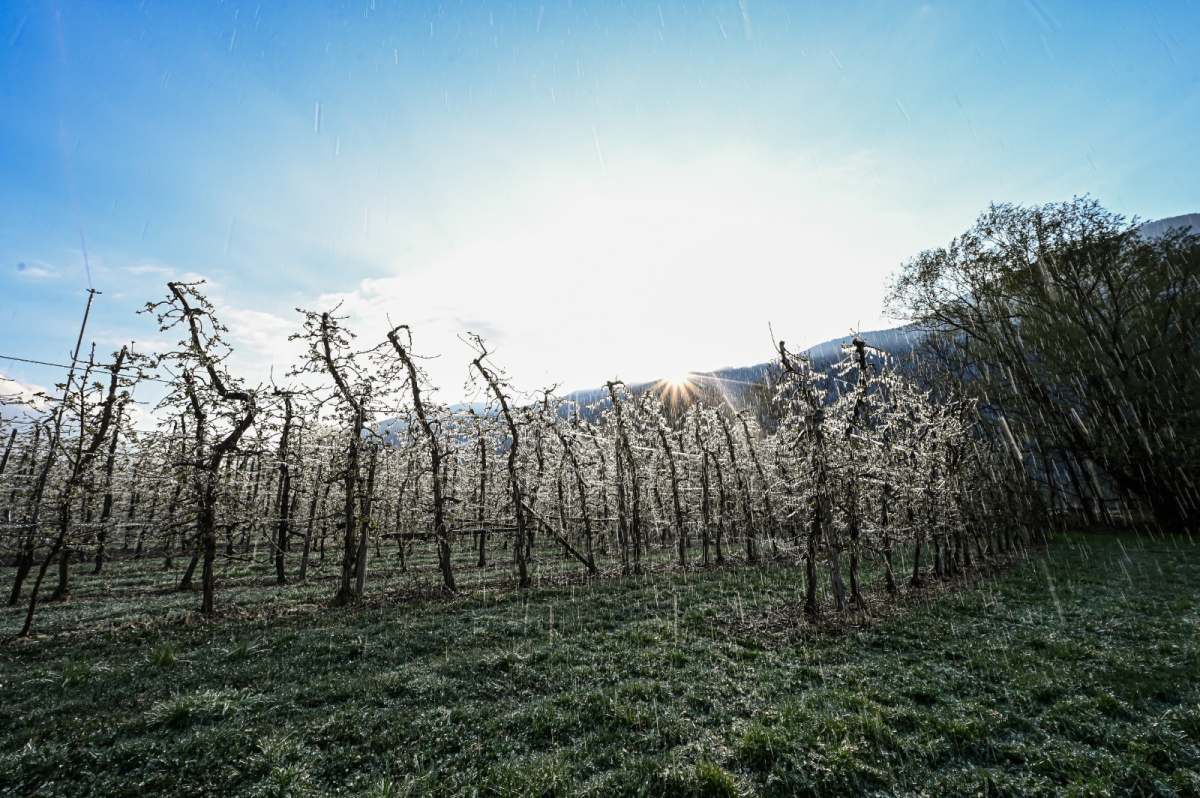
(772, 521)
(79, 466)
(308, 530)
(435, 455)
(285, 487)
(740, 481)
(26, 538)
(350, 476)
(705, 495)
(514, 480)
(209, 458)
(482, 516)
(581, 492)
(631, 511)
(107, 507)
(676, 504)
(364, 526)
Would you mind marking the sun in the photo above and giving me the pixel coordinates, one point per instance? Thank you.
(678, 382)
(677, 389)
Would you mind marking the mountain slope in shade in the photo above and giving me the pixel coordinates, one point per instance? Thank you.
(896, 341)
(1160, 226)
(734, 381)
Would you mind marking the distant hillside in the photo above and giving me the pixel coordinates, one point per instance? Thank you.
(897, 341)
(731, 382)
(734, 381)
(1160, 226)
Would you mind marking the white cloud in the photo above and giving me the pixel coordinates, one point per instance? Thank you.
(38, 270)
(643, 270)
(151, 268)
(18, 397)
(142, 417)
(260, 342)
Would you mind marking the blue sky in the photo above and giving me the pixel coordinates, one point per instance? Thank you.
(602, 189)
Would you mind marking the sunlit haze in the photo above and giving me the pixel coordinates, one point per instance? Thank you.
(601, 190)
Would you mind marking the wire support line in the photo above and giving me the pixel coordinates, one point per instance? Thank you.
(78, 362)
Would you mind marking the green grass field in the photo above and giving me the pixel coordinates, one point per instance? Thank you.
(1077, 672)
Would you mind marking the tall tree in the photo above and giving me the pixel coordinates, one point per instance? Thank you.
(329, 353)
(1080, 337)
(222, 409)
(430, 425)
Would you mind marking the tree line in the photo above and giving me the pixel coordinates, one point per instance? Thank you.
(359, 464)
(1077, 335)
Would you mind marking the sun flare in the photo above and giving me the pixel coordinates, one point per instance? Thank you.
(677, 389)
(678, 382)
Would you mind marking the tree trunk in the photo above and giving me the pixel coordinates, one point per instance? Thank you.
(705, 503)
(772, 521)
(308, 530)
(285, 487)
(513, 476)
(676, 505)
(722, 509)
(346, 592)
(364, 527)
(810, 561)
(25, 538)
(482, 517)
(743, 490)
(189, 573)
(107, 507)
(835, 566)
(855, 595)
(208, 542)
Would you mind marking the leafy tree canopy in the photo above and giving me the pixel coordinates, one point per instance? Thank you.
(1079, 334)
